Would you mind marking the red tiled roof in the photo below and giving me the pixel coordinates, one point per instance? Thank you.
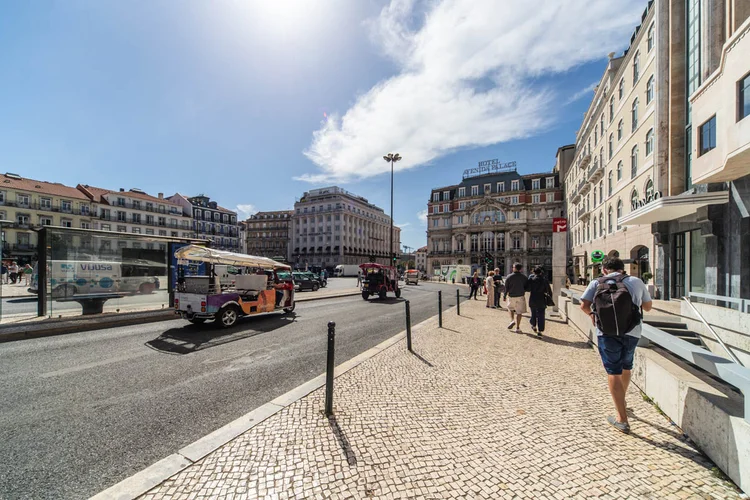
(42, 187)
(97, 194)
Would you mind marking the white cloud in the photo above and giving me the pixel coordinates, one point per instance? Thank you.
(245, 211)
(582, 93)
(466, 78)
(422, 216)
(403, 224)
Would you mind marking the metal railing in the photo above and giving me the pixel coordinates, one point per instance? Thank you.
(713, 332)
(727, 370)
(743, 305)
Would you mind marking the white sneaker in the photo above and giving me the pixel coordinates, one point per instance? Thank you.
(518, 330)
(511, 325)
(534, 329)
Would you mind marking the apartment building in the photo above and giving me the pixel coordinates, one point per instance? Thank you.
(615, 168)
(268, 234)
(420, 257)
(331, 226)
(28, 204)
(135, 212)
(211, 221)
(499, 214)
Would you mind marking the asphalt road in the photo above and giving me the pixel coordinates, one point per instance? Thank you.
(81, 412)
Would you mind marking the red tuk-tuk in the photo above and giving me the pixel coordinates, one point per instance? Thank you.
(378, 279)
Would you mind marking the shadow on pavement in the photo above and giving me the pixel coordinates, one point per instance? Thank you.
(387, 300)
(192, 338)
(567, 343)
(21, 300)
(420, 358)
(346, 447)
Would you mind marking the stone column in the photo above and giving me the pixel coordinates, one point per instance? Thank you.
(467, 242)
(453, 243)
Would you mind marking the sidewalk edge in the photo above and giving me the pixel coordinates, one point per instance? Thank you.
(153, 475)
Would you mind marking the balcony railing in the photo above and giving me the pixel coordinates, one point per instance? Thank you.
(47, 208)
(596, 172)
(584, 161)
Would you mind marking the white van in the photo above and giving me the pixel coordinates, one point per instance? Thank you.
(69, 277)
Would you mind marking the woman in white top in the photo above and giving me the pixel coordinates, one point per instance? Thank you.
(490, 284)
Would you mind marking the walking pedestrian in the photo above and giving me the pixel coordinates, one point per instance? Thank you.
(490, 284)
(616, 303)
(539, 289)
(474, 284)
(499, 286)
(515, 290)
(359, 279)
(13, 272)
(27, 270)
(4, 273)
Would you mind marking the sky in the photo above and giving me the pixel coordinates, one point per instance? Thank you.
(254, 102)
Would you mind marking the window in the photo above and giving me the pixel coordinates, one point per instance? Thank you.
(594, 226)
(744, 98)
(120, 202)
(634, 114)
(446, 197)
(85, 225)
(649, 141)
(601, 125)
(461, 205)
(84, 209)
(611, 109)
(619, 213)
(514, 200)
(535, 242)
(66, 223)
(536, 198)
(446, 222)
(45, 203)
(516, 241)
(650, 90)
(633, 162)
(435, 197)
(435, 222)
(596, 136)
(516, 215)
(446, 207)
(44, 221)
(550, 197)
(136, 218)
(636, 67)
(601, 224)
(611, 146)
(150, 231)
(619, 170)
(610, 183)
(535, 214)
(536, 183)
(649, 193)
(501, 187)
(121, 216)
(475, 190)
(651, 37)
(621, 89)
(707, 135)
(610, 228)
(461, 192)
(22, 199)
(550, 182)
(634, 199)
(487, 188)
(136, 204)
(514, 185)
(460, 219)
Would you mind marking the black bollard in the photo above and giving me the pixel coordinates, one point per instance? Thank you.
(329, 369)
(408, 326)
(458, 302)
(440, 308)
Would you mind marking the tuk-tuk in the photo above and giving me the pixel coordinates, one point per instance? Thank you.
(378, 279)
(262, 285)
(411, 277)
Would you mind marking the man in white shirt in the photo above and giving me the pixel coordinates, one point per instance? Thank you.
(617, 352)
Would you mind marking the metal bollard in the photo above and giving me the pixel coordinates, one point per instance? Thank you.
(440, 308)
(329, 368)
(408, 326)
(458, 302)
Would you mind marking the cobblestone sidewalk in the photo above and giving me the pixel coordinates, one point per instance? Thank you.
(480, 413)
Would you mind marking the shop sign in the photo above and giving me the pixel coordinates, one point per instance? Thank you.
(489, 167)
(559, 225)
(645, 201)
(597, 256)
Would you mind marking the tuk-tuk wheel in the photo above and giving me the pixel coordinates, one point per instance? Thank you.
(398, 293)
(365, 295)
(227, 316)
(287, 310)
(381, 294)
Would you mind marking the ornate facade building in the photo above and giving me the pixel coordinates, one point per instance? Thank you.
(499, 214)
(267, 234)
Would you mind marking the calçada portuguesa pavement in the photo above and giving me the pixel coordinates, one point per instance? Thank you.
(481, 412)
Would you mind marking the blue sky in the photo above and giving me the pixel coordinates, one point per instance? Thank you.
(254, 102)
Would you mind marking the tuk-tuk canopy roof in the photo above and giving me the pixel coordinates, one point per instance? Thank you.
(375, 265)
(212, 256)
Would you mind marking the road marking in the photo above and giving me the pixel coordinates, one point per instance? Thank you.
(95, 364)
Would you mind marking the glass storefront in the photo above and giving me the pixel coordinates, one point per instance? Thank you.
(689, 263)
(697, 262)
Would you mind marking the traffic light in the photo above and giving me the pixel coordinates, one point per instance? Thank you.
(488, 260)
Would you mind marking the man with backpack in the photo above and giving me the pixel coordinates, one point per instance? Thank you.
(618, 301)
(515, 289)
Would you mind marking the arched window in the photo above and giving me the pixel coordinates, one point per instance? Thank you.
(634, 114)
(636, 67)
(601, 224)
(649, 141)
(619, 213)
(601, 156)
(601, 126)
(488, 241)
(633, 199)
(611, 146)
(650, 90)
(621, 89)
(611, 108)
(610, 183)
(610, 227)
(651, 37)
(619, 130)
(649, 193)
(633, 162)
(594, 226)
(619, 170)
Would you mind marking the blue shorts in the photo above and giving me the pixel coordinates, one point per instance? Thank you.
(617, 353)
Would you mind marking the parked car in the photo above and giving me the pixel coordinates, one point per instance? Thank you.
(316, 276)
(305, 281)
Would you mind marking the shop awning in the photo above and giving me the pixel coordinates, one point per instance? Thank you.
(673, 207)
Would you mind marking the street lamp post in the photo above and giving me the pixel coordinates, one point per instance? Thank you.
(392, 158)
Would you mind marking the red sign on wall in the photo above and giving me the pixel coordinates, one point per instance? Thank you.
(559, 225)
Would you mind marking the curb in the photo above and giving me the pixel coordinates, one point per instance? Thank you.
(52, 327)
(152, 476)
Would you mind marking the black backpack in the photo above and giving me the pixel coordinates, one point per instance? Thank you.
(615, 312)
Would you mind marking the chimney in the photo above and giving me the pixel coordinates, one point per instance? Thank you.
(611, 55)
(122, 190)
(161, 196)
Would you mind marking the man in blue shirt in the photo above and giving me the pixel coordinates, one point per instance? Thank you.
(617, 352)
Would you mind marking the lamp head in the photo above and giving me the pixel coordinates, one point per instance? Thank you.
(396, 157)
